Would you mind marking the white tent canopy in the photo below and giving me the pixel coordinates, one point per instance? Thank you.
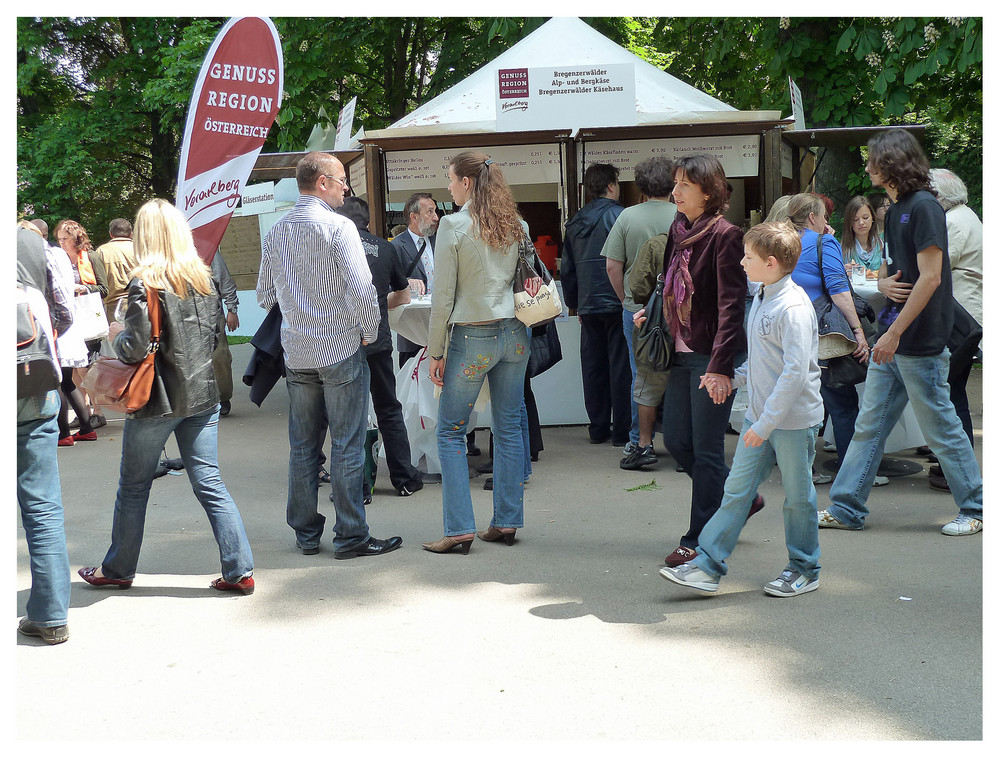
(470, 105)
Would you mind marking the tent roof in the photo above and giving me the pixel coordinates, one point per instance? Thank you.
(470, 105)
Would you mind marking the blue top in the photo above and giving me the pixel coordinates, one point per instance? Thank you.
(806, 272)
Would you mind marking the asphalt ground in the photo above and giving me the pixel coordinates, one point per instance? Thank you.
(570, 635)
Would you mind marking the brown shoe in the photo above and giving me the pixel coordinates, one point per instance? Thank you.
(447, 544)
(493, 535)
(680, 555)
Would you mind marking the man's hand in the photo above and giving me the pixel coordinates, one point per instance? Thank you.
(895, 290)
(437, 371)
(639, 317)
(885, 348)
(232, 321)
(418, 287)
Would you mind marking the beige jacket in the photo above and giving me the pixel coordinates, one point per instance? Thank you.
(472, 282)
(114, 260)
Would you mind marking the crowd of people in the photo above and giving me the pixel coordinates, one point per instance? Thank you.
(739, 308)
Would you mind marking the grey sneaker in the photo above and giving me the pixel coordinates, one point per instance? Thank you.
(791, 582)
(51, 635)
(828, 521)
(639, 457)
(821, 478)
(880, 481)
(690, 576)
(629, 447)
(962, 526)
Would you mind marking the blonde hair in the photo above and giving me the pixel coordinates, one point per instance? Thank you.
(491, 204)
(801, 205)
(165, 255)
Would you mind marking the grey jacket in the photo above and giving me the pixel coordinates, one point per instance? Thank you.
(406, 251)
(185, 381)
(472, 282)
(782, 370)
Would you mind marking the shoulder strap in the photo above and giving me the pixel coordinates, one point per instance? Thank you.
(416, 258)
(153, 309)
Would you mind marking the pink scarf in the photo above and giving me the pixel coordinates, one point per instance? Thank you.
(678, 289)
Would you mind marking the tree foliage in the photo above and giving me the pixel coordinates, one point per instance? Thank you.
(102, 101)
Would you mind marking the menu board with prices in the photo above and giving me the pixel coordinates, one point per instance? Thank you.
(737, 153)
(417, 170)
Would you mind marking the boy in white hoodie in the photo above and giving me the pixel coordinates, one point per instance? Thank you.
(783, 417)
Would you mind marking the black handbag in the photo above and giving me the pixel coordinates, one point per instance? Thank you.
(546, 350)
(843, 370)
(652, 342)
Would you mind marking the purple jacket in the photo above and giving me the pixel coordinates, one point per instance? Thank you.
(719, 299)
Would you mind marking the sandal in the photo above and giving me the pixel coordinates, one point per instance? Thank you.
(324, 476)
(244, 586)
(89, 576)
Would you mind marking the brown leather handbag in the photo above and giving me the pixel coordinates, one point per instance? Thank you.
(125, 387)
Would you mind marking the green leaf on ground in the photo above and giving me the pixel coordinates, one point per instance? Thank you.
(645, 487)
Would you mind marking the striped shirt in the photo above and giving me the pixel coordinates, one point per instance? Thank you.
(314, 268)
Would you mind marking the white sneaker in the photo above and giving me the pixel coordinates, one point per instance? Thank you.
(962, 526)
(791, 582)
(690, 576)
(828, 521)
(880, 481)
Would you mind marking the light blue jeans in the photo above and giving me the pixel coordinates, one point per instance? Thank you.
(39, 498)
(628, 327)
(198, 440)
(334, 396)
(793, 450)
(498, 352)
(924, 381)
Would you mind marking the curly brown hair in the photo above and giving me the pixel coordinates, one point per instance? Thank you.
(494, 213)
(896, 155)
(78, 235)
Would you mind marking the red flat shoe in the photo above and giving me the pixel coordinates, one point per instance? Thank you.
(88, 437)
(67, 441)
(88, 575)
(244, 586)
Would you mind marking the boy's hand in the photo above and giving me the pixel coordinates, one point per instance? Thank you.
(752, 439)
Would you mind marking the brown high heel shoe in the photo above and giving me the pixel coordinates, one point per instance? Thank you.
(494, 534)
(447, 544)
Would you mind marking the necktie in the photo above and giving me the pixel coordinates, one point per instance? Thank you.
(428, 261)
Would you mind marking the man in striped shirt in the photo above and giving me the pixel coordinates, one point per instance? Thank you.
(313, 268)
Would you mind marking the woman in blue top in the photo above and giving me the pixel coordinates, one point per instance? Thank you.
(808, 214)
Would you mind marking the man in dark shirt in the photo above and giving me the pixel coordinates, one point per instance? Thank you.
(910, 358)
(393, 289)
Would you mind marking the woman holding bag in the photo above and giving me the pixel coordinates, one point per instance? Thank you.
(475, 258)
(704, 289)
(184, 399)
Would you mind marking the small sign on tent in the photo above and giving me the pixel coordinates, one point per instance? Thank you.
(565, 97)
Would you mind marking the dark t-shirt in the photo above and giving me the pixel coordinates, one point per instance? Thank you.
(914, 223)
(387, 276)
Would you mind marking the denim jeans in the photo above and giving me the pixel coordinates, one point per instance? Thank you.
(334, 396)
(694, 430)
(198, 440)
(793, 450)
(628, 326)
(842, 405)
(497, 352)
(923, 380)
(39, 498)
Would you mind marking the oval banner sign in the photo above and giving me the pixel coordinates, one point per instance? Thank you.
(235, 102)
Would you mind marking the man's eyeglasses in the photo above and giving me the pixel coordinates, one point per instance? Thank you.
(341, 179)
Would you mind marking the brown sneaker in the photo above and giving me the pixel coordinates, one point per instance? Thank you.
(680, 555)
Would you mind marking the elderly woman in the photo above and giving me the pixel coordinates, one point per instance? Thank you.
(705, 290)
(965, 254)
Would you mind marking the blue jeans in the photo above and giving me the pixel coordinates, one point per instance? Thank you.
(694, 430)
(842, 405)
(497, 351)
(334, 396)
(628, 326)
(198, 440)
(793, 450)
(924, 381)
(39, 498)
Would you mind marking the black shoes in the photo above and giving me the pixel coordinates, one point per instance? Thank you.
(371, 547)
(224, 407)
(308, 550)
(414, 485)
(638, 457)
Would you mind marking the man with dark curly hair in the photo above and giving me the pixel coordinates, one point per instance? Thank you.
(910, 358)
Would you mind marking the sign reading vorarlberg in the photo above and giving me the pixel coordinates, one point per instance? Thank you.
(235, 102)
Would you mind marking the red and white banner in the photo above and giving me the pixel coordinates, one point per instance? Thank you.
(235, 102)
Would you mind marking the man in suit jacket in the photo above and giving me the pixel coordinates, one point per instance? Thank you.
(415, 248)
